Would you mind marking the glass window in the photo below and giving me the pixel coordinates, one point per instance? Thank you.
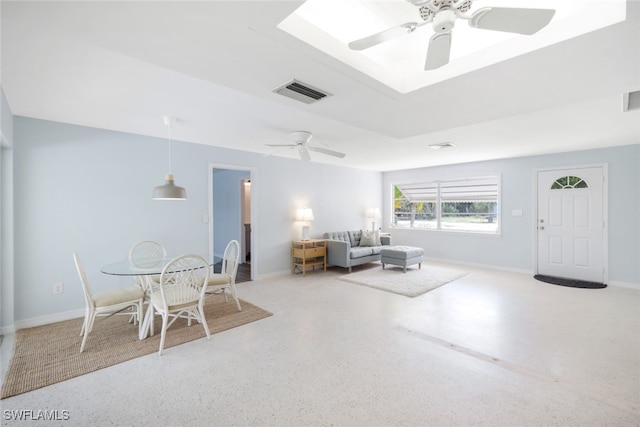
(569, 182)
(469, 204)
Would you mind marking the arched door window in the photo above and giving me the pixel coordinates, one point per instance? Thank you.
(568, 182)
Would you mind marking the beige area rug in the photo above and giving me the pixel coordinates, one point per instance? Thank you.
(411, 284)
(48, 354)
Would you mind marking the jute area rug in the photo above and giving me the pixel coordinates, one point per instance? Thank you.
(48, 354)
(413, 283)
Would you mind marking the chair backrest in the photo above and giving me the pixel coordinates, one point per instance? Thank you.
(231, 259)
(147, 250)
(181, 277)
(83, 279)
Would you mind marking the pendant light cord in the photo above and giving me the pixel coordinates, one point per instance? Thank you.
(168, 121)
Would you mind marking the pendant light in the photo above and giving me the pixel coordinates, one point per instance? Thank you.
(169, 191)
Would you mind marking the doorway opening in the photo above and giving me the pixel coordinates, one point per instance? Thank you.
(232, 216)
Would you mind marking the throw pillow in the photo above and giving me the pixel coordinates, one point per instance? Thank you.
(368, 238)
(378, 241)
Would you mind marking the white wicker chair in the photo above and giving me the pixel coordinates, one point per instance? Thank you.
(181, 292)
(141, 254)
(107, 303)
(147, 249)
(226, 279)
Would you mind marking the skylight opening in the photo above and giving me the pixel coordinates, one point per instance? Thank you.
(329, 25)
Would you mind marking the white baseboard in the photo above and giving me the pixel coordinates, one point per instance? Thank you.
(45, 320)
(273, 274)
(478, 265)
(621, 284)
(8, 330)
(617, 283)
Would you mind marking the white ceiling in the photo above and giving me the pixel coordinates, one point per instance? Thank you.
(213, 65)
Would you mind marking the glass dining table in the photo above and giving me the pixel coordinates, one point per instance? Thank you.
(145, 269)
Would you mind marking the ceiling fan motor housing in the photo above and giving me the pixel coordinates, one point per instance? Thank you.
(301, 136)
(444, 21)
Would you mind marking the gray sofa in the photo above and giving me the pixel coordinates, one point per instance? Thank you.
(344, 250)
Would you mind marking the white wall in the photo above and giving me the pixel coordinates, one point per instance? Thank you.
(89, 190)
(6, 212)
(514, 248)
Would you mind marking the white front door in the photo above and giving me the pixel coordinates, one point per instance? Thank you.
(570, 223)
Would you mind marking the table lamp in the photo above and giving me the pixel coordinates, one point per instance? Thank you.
(304, 215)
(373, 214)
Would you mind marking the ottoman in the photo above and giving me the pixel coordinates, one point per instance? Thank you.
(402, 256)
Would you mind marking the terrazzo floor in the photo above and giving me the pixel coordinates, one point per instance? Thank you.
(490, 349)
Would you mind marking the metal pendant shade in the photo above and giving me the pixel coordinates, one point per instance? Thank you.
(169, 191)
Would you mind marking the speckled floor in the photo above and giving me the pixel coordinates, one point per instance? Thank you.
(491, 348)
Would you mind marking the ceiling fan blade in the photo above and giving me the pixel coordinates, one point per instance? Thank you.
(511, 20)
(326, 151)
(383, 36)
(304, 154)
(280, 145)
(439, 51)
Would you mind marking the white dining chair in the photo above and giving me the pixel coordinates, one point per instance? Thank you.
(181, 293)
(147, 249)
(226, 279)
(144, 252)
(107, 303)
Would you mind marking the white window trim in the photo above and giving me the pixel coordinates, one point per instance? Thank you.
(497, 232)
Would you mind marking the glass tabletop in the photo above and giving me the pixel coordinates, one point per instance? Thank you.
(141, 266)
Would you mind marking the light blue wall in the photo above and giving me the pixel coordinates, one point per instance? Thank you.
(89, 190)
(514, 249)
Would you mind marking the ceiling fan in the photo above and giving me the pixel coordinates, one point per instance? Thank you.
(301, 140)
(443, 14)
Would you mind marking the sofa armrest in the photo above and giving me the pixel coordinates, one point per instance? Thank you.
(338, 253)
(385, 240)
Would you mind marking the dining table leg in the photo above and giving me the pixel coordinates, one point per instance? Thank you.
(146, 326)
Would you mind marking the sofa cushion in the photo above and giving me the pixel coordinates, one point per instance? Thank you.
(343, 236)
(359, 252)
(376, 249)
(368, 238)
(354, 237)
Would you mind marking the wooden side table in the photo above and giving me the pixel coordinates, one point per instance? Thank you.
(308, 253)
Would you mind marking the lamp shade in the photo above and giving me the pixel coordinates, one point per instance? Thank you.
(169, 191)
(373, 213)
(304, 214)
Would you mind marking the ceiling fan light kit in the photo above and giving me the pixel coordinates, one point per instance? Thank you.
(442, 14)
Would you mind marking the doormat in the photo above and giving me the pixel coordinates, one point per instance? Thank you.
(573, 283)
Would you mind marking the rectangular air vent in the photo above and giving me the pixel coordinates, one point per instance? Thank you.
(302, 92)
(631, 101)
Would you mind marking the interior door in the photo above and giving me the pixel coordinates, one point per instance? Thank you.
(570, 227)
